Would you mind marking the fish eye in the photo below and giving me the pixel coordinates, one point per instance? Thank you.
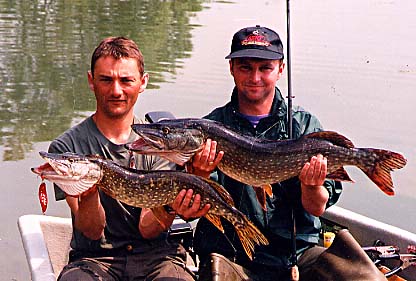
(165, 130)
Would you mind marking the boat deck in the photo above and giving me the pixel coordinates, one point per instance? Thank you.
(46, 239)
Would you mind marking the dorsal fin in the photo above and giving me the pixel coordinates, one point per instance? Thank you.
(332, 137)
(221, 191)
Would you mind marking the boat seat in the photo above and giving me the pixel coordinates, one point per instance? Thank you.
(46, 242)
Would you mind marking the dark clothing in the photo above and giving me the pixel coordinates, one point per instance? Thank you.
(224, 269)
(276, 223)
(121, 231)
(160, 261)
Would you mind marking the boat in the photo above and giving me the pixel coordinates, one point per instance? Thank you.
(46, 243)
(371, 233)
(46, 240)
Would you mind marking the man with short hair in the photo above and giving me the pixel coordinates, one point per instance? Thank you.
(112, 240)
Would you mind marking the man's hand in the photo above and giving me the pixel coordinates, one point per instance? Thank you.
(314, 172)
(312, 177)
(183, 207)
(206, 160)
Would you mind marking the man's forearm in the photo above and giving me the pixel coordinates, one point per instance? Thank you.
(89, 214)
(154, 221)
(314, 199)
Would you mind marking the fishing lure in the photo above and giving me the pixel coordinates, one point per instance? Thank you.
(43, 197)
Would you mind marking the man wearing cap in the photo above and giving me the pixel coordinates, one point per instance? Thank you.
(257, 108)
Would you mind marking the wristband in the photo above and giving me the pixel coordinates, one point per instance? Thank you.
(169, 210)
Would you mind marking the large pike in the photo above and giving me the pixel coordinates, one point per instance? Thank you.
(262, 162)
(75, 174)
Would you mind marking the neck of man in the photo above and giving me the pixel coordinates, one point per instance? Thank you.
(254, 108)
(115, 129)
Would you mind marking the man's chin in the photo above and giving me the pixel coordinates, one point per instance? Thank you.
(254, 95)
(117, 114)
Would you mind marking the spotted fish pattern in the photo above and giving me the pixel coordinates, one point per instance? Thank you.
(147, 189)
(260, 162)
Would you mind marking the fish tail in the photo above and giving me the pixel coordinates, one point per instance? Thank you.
(249, 235)
(385, 162)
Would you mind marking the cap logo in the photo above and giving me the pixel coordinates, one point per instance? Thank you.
(256, 39)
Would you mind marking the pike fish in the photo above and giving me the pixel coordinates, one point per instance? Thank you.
(75, 174)
(260, 162)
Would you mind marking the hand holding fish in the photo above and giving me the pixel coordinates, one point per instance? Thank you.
(206, 160)
(314, 172)
(312, 178)
(147, 226)
(188, 206)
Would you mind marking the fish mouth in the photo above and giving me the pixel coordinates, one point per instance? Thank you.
(55, 168)
(47, 172)
(175, 140)
(146, 144)
(73, 173)
(151, 143)
(44, 170)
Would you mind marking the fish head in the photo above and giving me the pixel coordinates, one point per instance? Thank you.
(176, 140)
(73, 173)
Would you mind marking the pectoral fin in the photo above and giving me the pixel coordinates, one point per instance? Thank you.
(261, 193)
(268, 189)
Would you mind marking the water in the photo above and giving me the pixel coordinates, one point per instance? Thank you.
(353, 65)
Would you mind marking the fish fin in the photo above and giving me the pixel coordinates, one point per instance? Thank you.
(380, 173)
(340, 175)
(248, 234)
(332, 137)
(215, 220)
(222, 192)
(261, 196)
(268, 189)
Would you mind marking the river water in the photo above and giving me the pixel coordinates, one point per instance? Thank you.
(353, 65)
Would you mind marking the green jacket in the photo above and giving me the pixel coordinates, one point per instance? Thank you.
(276, 223)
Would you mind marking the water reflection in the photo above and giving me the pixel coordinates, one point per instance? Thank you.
(45, 49)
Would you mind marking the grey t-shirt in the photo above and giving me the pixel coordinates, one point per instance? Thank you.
(121, 220)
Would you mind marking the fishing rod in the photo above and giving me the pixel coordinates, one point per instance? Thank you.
(293, 260)
(289, 73)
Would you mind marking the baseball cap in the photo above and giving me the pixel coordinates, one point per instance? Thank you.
(256, 42)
